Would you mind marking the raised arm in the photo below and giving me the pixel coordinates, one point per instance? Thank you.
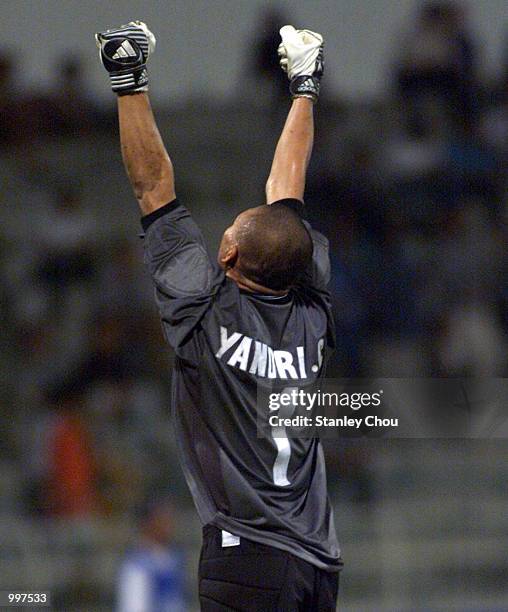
(146, 161)
(292, 155)
(124, 52)
(301, 53)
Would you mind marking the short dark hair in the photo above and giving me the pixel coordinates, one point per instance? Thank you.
(275, 248)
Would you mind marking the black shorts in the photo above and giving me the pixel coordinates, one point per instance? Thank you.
(252, 577)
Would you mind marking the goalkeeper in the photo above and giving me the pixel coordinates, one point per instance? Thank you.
(260, 314)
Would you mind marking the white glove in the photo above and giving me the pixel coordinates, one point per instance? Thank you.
(301, 56)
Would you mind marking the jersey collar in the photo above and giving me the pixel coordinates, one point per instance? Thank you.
(264, 297)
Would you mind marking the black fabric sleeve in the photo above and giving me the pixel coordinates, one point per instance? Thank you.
(318, 275)
(185, 276)
(147, 220)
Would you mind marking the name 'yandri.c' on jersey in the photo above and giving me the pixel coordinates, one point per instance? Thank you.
(227, 341)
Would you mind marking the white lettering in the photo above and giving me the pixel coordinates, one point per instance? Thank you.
(272, 372)
(375, 421)
(301, 361)
(258, 365)
(225, 342)
(263, 361)
(320, 347)
(284, 363)
(311, 397)
(241, 355)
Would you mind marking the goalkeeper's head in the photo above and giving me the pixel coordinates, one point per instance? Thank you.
(266, 248)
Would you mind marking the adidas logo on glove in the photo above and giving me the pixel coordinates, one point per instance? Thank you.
(124, 53)
(125, 50)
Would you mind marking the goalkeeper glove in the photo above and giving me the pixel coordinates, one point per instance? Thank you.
(301, 56)
(124, 53)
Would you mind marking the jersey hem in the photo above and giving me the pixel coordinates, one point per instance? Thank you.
(291, 546)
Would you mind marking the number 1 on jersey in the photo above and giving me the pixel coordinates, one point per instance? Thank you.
(280, 467)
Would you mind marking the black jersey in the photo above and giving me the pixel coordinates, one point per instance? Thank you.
(226, 342)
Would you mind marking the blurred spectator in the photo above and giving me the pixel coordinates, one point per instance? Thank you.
(494, 125)
(351, 464)
(467, 255)
(72, 111)
(71, 465)
(472, 344)
(412, 196)
(10, 99)
(265, 60)
(437, 59)
(125, 435)
(152, 575)
(415, 149)
(66, 239)
(112, 356)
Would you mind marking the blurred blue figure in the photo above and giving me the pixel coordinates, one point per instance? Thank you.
(152, 575)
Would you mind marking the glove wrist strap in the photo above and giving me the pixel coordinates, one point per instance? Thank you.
(129, 80)
(305, 87)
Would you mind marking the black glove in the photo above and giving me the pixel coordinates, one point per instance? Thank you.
(124, 53)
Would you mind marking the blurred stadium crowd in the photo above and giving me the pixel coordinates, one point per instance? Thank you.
(410, 189)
